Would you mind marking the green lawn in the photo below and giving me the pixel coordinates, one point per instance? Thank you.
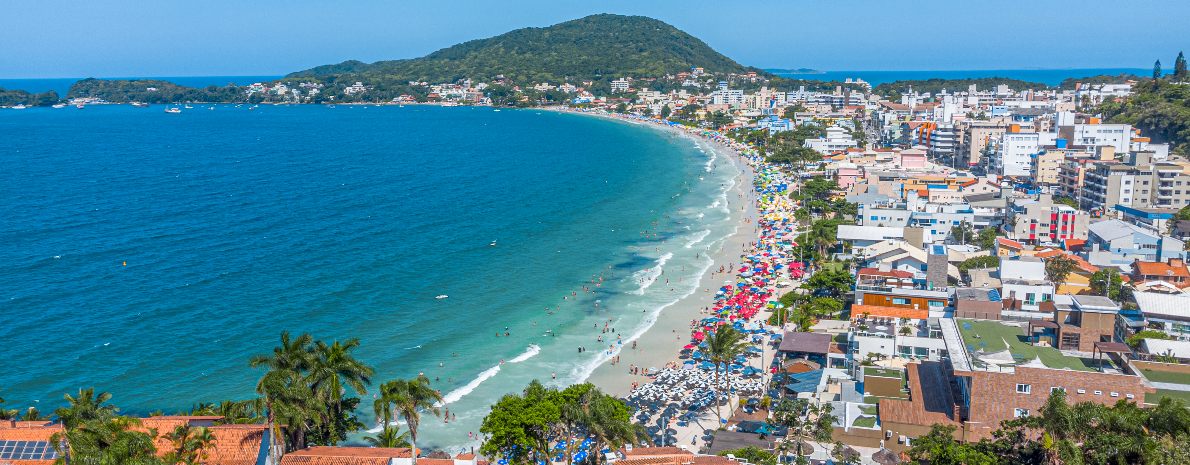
(865, 422)
(868, 410)
(1167, 377)
(993, 336)
(1156, 397)
(834, 266)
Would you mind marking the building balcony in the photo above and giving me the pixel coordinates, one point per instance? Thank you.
(1165, 194)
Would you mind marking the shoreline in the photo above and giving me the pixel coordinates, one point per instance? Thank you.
(658, 349)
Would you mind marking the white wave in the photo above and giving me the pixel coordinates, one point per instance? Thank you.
(713, 204)
(380, 426)
(581, 372)
(530, 352)
(455, 395)
(701, 235)
(649, 275)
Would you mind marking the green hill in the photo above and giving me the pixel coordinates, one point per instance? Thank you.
(598, 47)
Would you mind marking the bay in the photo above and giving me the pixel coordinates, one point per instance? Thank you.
(150, 254)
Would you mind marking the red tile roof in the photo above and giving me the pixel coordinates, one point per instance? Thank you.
(876, 272)
(28, 433)
(1074, 245)
(234, 444)
(654, 451)
(1008, 243)
(327, 451)
(893, 312)
(1160, 269)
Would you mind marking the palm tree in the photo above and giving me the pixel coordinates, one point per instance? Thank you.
(606, 419)
(388, 437)
(334, 368)
(190, 444)
(284, 381)
(723, 346)
(33, 415)
(109, 441)
(88, 406)
(408, 398)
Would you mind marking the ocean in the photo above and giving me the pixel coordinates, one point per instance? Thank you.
(62, 85)
(1050, 77)
(150, 254)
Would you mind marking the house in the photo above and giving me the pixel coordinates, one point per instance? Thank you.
(234, 444)
(326, 455)
(28, 442)
(1119, 244)
(1084, 320)
(1168, 313)
(861, 237)
(1172, 271)
(1023, 281)
(1079, 279)
(883, 280)
(978, 303)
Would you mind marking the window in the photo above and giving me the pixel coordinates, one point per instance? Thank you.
(1127, 183)
(1146, 191)
(1030, 297)
(900, 301)
(875, 218)
(1023, 388)
(1115, 394)
(1046, 297)
(937, 303)
(1146, 183)
(921, 351)
(1099, 393)
(1082, 391)
(1130, 396)
(1020, 412)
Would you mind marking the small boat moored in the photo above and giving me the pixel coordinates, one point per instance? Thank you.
(443, 296)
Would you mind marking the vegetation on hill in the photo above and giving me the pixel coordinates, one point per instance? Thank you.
(1069, 83)
(124, 91)
(9, 98)
(1160, 110)
(599, 47)
(894, 89)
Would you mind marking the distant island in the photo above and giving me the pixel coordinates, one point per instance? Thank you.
(794, 71)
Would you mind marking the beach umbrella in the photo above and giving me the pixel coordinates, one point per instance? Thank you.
(689, 346)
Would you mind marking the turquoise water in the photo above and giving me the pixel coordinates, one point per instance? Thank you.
(236, 224)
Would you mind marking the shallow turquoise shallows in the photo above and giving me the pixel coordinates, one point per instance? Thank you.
(150, 254)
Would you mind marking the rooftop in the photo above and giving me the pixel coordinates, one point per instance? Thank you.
(992, 336)
(815, 343)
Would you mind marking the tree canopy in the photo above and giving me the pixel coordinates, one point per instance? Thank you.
(599, 47)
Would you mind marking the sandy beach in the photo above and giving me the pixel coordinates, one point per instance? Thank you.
(662, 342)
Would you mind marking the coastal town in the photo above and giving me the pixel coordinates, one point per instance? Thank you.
(968, 268)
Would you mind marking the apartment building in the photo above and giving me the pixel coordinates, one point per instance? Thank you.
(975, 136)
(1045, 169)
(1042, 220)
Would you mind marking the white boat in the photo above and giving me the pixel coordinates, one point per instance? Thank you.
(497, 109)
(173, 110)
(443, 296)
(188, 106)
(60, 105)
(18, 107)
(79, 105)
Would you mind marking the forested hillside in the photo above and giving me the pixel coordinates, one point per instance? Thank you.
(599, 47)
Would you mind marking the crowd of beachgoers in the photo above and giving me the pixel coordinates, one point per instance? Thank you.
(680, 401)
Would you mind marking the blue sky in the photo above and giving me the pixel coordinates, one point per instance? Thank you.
(58, 39)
